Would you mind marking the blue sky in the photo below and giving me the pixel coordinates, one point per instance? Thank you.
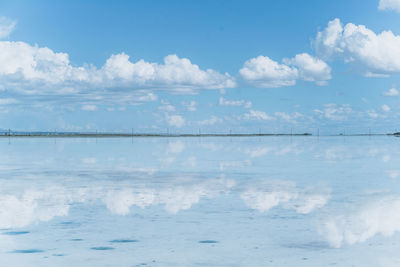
(209, 65)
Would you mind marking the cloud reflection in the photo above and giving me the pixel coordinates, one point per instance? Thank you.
(42, 205)
(266, 196)
(175, 197)
(379, 215)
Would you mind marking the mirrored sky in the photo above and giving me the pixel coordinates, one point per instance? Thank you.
(268, 201)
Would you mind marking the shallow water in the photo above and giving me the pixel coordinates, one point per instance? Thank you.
(258, 201)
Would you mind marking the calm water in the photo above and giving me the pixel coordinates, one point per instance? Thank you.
(271, 201)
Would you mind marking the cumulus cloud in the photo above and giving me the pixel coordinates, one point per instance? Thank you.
(377, 216)
(175, 72)
(89, 107)
(289, 117)
(211, 121)
(29, 71)
(373, 114)
(175, 120)
(234, 103)
(311, 69)
(262, 71)
(334, 111)
(265, 197)
(166, 106)
(389, 5)
(391, 92)
(265, 72)
(385, 108)
(375, 54)
(257, 115)
(6, 26)
(190, 106)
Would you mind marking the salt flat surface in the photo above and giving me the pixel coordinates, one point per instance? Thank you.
(259, 201)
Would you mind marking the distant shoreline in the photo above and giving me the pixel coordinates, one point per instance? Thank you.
(125, 135)
(100, 135)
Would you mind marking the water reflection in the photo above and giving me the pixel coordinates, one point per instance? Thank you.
(264, 196)
(175, 196)
(42, 205)
(255, 201)
(373, 215)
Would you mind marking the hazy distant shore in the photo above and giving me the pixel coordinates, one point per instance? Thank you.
(135, 135)
(99, 135)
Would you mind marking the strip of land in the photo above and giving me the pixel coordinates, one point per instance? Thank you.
(100, 135)
(9, 134)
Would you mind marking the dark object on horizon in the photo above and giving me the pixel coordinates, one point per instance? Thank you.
(396, 134)
(97, 134)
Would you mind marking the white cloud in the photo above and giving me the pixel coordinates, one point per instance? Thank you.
(175, 72)
(385, 108)
(334, 111)
(393, 174)
(6, 26)
(376, 75)
(375, 54)
(166, 106)
(89, 107)
(257, 115)
(234, 103)
(377, 216)
(27, 70)
(311, 69)
(283, 116)
(191, 106)
(288, 117)
(213, 120)
(389, 5)
(265, 197)
(391, 92)
(372, 114)
(175, 120)
(265, 72)
(8, 101)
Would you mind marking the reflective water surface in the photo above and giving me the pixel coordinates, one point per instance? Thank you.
(257, 201)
